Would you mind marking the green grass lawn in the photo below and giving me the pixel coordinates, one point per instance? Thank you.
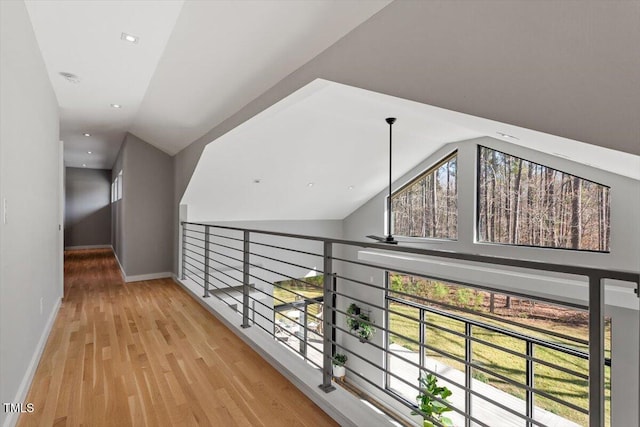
(557, 383)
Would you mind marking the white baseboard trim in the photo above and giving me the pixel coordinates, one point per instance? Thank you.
(140, 277)
(151, 276)
(25, 385)
(122, 273)
(74, 248)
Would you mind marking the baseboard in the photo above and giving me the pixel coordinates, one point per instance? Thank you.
(74, 248)
(140, 277)
(152, 276)
(25, 385)
(122, 273)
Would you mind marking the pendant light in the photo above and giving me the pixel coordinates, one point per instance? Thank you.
(389, 238)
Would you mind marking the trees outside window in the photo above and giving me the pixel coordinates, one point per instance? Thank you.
(525, 203)
(428, 205)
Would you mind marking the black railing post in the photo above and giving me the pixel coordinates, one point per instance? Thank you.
(329, 308)
(183, 275)
(468, 357)
(245, 281)
(596, 352)
(530, 382)
(207, 273)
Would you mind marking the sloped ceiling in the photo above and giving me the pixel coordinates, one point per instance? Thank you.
(323, 151)
(195, 64)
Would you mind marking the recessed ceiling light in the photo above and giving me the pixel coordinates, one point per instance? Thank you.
(70, 77)
(89, 152)
(130, 38)
(310, 184)
(350, 187)
(116, 105)
(256, 181)
(506, 135)
(86, 134)
(84, 165)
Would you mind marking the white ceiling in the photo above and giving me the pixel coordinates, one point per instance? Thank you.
(196, 63)
(319, 134)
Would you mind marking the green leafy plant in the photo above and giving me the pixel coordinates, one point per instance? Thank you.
(365, 331)
(430, 408)
(339, 359)
(359, 322)
(354, 313)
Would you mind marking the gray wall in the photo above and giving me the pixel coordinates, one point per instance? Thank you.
(143, 219)
(30, 182)
(506, 61)
(87, 214)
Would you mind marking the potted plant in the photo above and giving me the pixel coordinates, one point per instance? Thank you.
(365, 331)
(359, 322)
(339, 360)
(430, 408)
(352, 320)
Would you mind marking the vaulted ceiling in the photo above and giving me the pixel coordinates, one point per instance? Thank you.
(194, 63)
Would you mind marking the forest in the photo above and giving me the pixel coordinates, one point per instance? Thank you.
(428, 205)
(519, 203)
(524, 203)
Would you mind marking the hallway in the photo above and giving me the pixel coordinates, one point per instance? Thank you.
(146, 353)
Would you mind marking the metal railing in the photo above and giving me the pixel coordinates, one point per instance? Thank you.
(244, 268)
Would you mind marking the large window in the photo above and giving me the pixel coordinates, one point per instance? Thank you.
(428, 205)
(494, 345)
(525, 203)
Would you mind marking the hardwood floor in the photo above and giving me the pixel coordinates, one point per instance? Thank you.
(146, 353)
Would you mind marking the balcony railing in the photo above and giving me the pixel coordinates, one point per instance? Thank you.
(245, 268)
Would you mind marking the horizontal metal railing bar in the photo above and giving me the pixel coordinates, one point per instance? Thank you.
(466, 284)
(195, 231)
(226, 237)
(270, 320)
(284, 302)
(221, 289)
(196, 275)
(627, 276)
(186, 236)
(224, 255)
(490, 344)
(293, 305)
(277, 286)
(299, 251)
(459, 360)
(282, 274)
(307, 359)
(227, 246)
(229, 267)
(487, 316)
(284, 262)
(192, 265)
(360, 282)
(360, 300)
(191, 250)
(405, 402)
(493, 328)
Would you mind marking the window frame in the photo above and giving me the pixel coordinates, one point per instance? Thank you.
(453, 153)
(476, 237)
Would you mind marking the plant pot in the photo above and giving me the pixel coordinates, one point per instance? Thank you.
(339, 371)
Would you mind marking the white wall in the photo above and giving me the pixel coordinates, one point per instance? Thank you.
(30, 249)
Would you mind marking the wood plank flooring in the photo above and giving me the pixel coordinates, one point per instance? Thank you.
(147, 354)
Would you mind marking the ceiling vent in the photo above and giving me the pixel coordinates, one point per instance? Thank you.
(70, 77)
